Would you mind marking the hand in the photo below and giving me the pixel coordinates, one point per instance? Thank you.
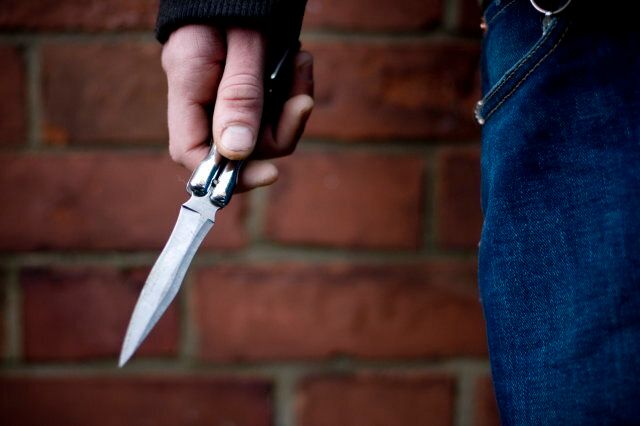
(206, 67)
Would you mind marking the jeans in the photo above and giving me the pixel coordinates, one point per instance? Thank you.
(559, 261)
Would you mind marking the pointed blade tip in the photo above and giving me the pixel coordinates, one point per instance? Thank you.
(124, 357)
(128, 349)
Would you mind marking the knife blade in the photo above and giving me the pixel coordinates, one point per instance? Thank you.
(195, 220)
(211, 186)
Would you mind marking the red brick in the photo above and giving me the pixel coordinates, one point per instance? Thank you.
(395, 89)
(12, 93)
(459, 216)
(275, 311)
(99, 201)
(93, 15)
(348, 199)
(392, 15)
(376, 400)
(142, 401)
(103, 93)
(485, 404)
(77, 313)
(469, 17)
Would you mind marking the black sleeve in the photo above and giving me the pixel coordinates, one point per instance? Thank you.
(281, 19)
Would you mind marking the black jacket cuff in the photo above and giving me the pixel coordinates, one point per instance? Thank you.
(281, 19)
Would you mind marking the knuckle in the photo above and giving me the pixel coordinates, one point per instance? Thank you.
(192, 50)
(186, 60)
(243, 91)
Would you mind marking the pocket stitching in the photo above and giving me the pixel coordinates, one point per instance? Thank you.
(504, 7)
(508, 95)
(521, 63)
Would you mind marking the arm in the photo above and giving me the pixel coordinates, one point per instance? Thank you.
(214, 54)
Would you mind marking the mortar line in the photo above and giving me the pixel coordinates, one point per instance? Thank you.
(266, 369)
(33, 93)
(451, 13)
(466, 381)
(437, 33)
(311, 145)
(13, 316)
(285, 384)
(263, 252)
(75, 36)
(429, 202)
(188, 339)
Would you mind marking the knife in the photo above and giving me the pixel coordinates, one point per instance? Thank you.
(211, 186)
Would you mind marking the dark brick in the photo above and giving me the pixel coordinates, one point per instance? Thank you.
(79, 313)
(103, 93)
(459, 215)
(99, 201)
(276, 311)
(395, 89)
(12, 93)
(485, 404)
(391, 400)
(469, 17)
(88, 15)
(140, 401)
(348, 200)
(406, 15)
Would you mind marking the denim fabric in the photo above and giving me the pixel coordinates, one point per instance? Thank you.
(559, 262)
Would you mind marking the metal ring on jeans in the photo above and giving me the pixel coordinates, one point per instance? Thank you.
(550, 12)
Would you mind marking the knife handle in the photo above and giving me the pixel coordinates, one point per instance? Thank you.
(206, 173)
(226, 184)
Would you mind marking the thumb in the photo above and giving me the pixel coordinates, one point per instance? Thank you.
(238, 108)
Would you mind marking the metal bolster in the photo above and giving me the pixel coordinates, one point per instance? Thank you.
(226, 184)
(206, 173)
(216, 175)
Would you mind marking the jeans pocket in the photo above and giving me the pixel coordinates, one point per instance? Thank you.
(517, 42)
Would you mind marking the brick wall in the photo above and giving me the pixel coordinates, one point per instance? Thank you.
(343, 295)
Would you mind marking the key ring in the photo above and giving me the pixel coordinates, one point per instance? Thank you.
(549, 12)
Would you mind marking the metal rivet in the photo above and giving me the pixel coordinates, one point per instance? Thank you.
(483, 25)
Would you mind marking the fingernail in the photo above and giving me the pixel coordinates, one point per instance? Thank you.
(237, 138)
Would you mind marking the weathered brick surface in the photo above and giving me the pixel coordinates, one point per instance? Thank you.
(273, 311)
(85, 200)
(77, 313)
(376, 400)
(459, 215)
(392, 15)
(99, 200)
(486, 413)
(103, 93)
(92, 15)
(395, 89)
(348, 200)
(140, 401)
(12, 94)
